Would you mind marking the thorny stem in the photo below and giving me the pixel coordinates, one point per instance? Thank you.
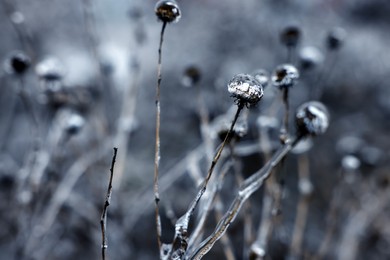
(103, 218)
(249, 186)
(157, 144)
(181, 233)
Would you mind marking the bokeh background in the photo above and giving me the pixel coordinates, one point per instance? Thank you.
(57, 130)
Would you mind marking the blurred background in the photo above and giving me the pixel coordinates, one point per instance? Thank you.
(79, 78)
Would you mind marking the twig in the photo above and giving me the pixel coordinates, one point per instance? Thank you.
(181, 233)
(284, 129)
(157, 144)
(249, 186)
(103, 218)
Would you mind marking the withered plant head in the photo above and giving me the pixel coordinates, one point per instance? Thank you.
(312, 119)
(167, 11)
(245, 89)
(285, 76)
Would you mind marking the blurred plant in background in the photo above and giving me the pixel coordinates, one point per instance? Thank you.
(78, 78)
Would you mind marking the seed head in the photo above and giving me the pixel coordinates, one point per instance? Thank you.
(246, 89)
(285, 76)
(167, 11)
(335, 38)
(74, 123)
(310, 57)
(192, 75)
(262, 76)
(312, 118)
(50, 69)
(17, 63)
(290, 36)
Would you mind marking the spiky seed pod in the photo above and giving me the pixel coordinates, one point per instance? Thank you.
(245, 89)
(167, 11)
(285, 76)
(335, 38)
(17, 63)
(312, 119)
(290, 36)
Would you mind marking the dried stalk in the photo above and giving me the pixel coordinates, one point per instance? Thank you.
(103, 218)
(249, 186)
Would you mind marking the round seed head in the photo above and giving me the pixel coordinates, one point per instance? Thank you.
(262, 76)
(335, 38)
(246, 89)
(312, 118)
(17, 63)
(290, 36)
(74, 124)
(310, 57)
(50, 69)
(167, 11)
(192, 75)
(285, 76)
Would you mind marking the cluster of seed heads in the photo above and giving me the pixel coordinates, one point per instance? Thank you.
(245, 89)
(312, 119)
(285, 76)
(167, 11)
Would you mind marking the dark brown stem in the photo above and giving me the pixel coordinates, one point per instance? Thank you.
(157, 143)
(103, 218)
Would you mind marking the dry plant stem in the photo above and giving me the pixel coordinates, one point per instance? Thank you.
(225, 240)
(205, 125)
(181, 233)
(249, 186)
(302, 209)
(284, 129)
(27, 103)
(103, 217)
(358, 223)
(157, 144)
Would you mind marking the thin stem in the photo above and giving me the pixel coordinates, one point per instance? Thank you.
(284, 129)
(157, 144)
(250, 185)
(182, 224)
(103, 218)
(303, 206)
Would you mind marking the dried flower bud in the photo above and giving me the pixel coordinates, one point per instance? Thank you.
(262, 76)
(312, 118)
(167, 11)
(290, 36)
(335, 38)
(191, 76)
(17, 63)
(245, 89)
(285, 76)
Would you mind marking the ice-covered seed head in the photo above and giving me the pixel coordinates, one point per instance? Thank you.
(17, 63)
(262, 76)
(246, 89)
(285, 76)
(312, 118)
(50, 69)
(167, 11)
(290, 36)
(335, 38)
